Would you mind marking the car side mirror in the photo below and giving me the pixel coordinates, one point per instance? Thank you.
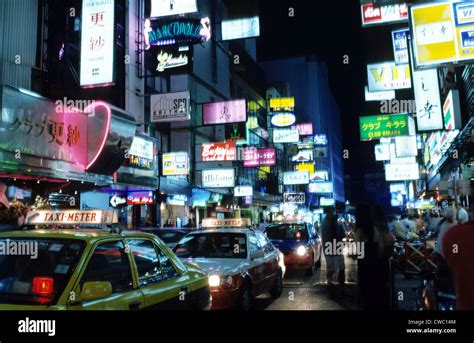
(96, 290)
(256, 254)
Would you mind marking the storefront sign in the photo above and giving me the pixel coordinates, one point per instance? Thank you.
(240, 28)
(309, 167)
(234, 222)
(97, 43)
(452, 111)
(382, 152)
(243, 191)
(402, 172)
(140, 198)
(304, 129)
(388, 76)
(378, 96)
(283, 119)
(294, 198)
(303, 156)
(175, 163)
(163, 8)
(282, 104)
(376, 15)
(375, 127)
(224, 112)
(218, 178)
(285, 136)
(141, 154)
(47, 217)
(180, 31)
(254, 157)
(400, 45)
(326, 202)
(170, 107)
(296, 178)
(429, 114)
(443, 33)
(212, 152)
(406, 146)
(170, 60)
(177, 200)
(320, 187)
(117, 200)
(320, 139)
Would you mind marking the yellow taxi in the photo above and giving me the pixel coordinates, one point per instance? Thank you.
(53, 268)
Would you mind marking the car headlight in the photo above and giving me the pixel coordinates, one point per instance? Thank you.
(301, 250)
(214, 280)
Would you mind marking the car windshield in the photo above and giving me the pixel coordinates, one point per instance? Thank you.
(170, 236)
(213, 245)
(287, 232)
(35, 271)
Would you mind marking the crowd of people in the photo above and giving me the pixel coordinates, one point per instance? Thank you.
(452, 227)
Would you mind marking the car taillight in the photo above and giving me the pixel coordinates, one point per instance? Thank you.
(43, 286)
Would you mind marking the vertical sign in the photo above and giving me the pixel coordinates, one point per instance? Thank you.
(97, 43)
(428, 103)
(400, 45)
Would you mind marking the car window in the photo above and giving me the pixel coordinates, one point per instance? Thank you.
(109, 263)
(147, 261)
(169, 271)
(265, 243)
(212, 245)
(287, 232)
(253, 243)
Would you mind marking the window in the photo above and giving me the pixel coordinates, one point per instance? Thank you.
(253, 243)
(265, 243)
(110, 263)
(146, 259)
(212, 245)
(169, 271)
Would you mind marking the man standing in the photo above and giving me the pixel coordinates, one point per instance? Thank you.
(332, 234)
(458, 248)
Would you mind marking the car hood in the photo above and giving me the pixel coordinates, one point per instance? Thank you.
(220, 266)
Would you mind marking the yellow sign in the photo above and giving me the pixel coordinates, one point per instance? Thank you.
(443, 33)
(282, 103)
(305, 167)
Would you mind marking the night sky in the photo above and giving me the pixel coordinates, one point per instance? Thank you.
(330, 30)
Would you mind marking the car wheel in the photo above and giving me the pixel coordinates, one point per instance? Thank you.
(277, 289)
(245, 298)
(310, 271)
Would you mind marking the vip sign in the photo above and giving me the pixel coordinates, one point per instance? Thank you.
(170, 107)
(243, 191)
(218, 178)
(429, 114)
(212, 152)
(296, 178)
(402, 172)
(374, 15)
(97, 43)
(388, 76)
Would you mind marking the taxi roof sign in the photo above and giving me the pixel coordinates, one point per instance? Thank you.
(49, 217)
(233, 222)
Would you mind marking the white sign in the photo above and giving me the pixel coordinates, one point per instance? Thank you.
(163, 8)
(97, 43)
(175, 163)
(303, 156)
(142, 148)
(218, 178)
(388, 76)
(321, 187)
(402, 172)
(240, 28)
(45, 217)
(399, 160)
(234, 222)
(429, 115)
(398, 188)
(243, 191)
(382, 152)
(296, 178)
(406, 146)
(378, 96)
(286, 136)
(400, 45)
(390, 13)
(170, 107)
(324, 202)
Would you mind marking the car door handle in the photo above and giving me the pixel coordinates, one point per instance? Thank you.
(135, 305)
